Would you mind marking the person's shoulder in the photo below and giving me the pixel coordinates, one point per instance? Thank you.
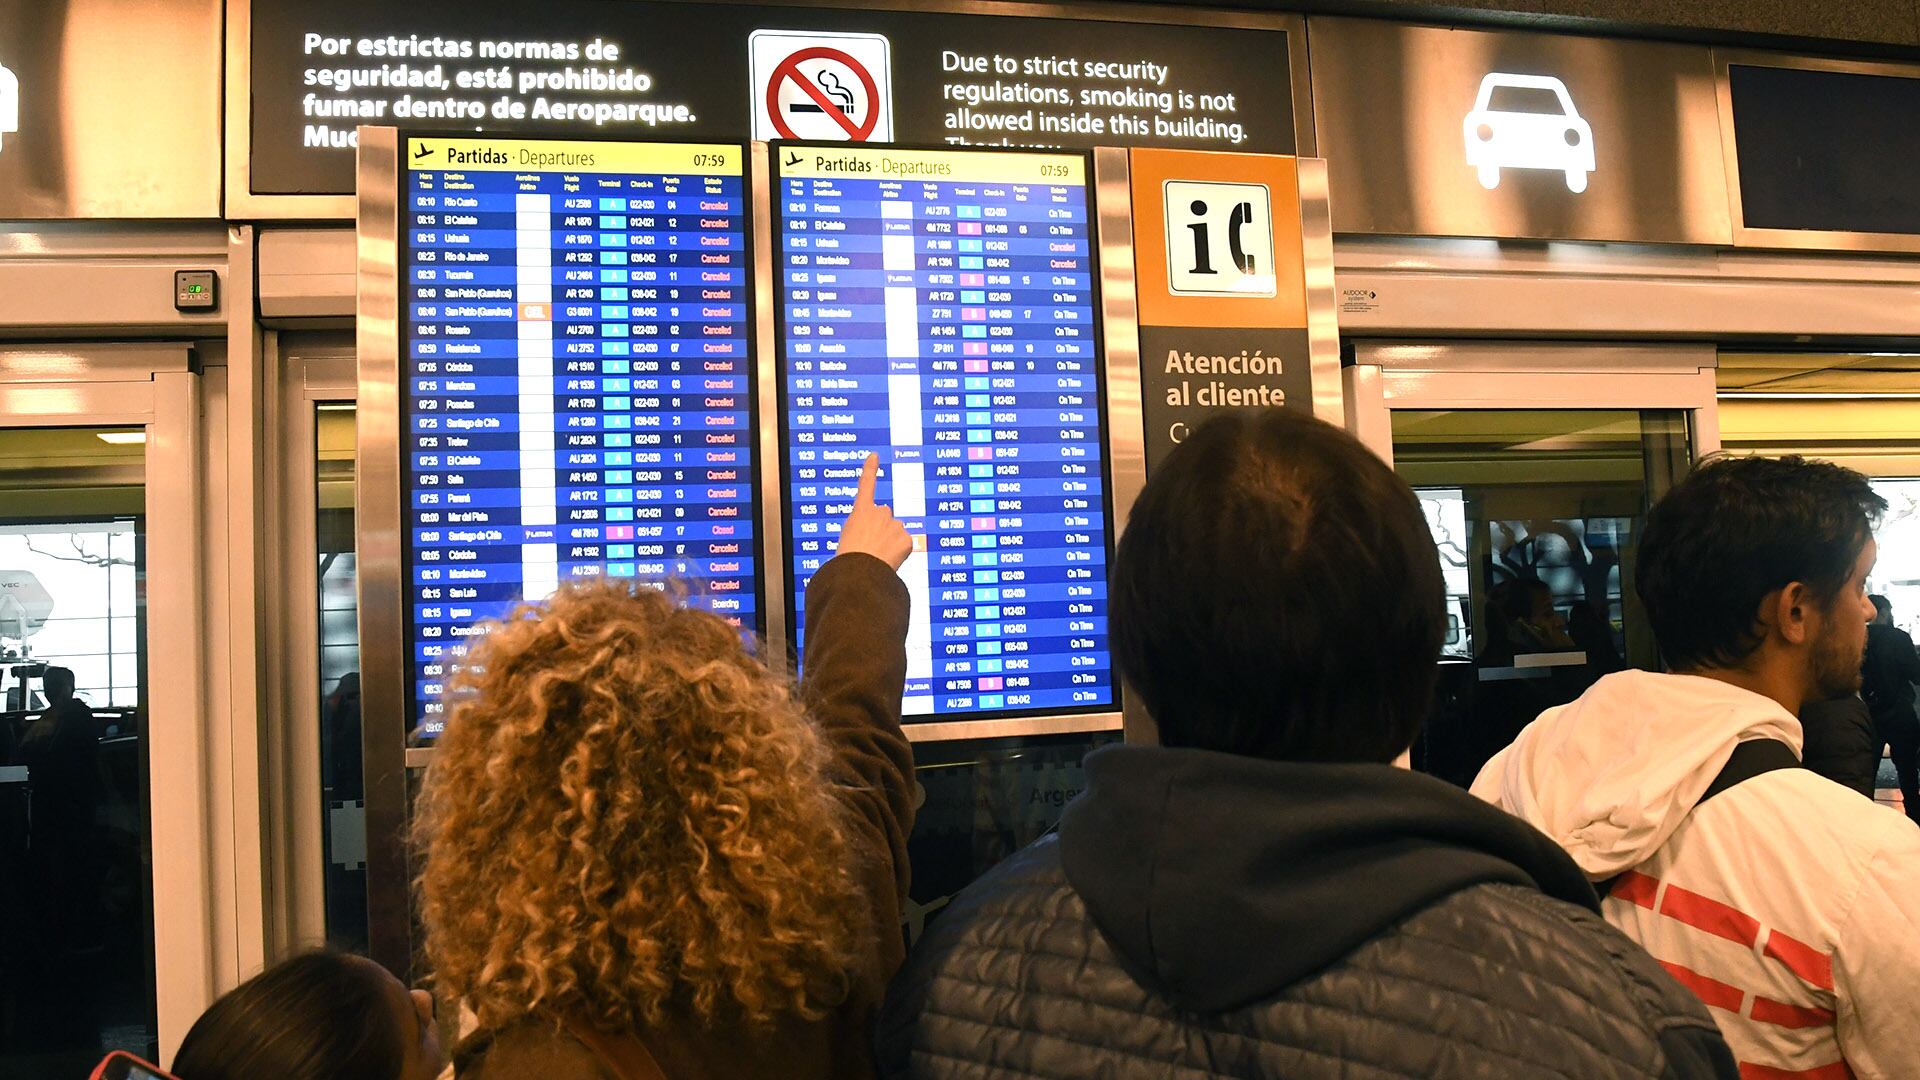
(1799, 818)
(527, 1050)
(1516, 923)
(1888, 635)
(1516, 929)
(1836, 710)
(1011, 890)
(1025, 904)
(1830, 807)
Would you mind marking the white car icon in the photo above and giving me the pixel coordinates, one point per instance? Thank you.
(1527, 122)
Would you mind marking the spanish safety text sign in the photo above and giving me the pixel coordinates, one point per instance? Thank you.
(727, 72)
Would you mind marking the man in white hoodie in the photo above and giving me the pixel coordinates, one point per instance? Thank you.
(1789, 904)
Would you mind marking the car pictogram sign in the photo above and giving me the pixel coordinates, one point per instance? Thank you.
(821, 86)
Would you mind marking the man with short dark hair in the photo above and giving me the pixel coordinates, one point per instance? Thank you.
(1785, 901)
(1886, 682)
(1264, 894)
(61, 750)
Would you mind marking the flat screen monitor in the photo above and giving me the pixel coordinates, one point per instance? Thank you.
(940, 308)
(577, 393)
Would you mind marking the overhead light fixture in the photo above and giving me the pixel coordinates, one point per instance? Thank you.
(123, 438)
(336, 406)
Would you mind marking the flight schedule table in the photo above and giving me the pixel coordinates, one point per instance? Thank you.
(576, 380)
(939, 308)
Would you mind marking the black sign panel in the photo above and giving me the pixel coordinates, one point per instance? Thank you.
(1826, 150)
(730, 72)
(1190, 374)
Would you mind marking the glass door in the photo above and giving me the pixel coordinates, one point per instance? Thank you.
(1537, 516)
(107, 728)
(76, 904)
(1535, 466)
(1860, 410)
(322, 797)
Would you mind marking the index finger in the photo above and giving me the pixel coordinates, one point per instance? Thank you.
(869, 478)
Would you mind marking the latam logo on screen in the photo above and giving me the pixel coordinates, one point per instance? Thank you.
(1527, 122)
(9, 104)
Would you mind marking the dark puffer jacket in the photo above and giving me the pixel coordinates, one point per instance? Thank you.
(1841, 743)
(1208, 915)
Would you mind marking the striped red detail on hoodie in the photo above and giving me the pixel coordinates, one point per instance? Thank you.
(1716, 994)
(1813, 966)
(1710, 915)
(1636, 888)
(1781, 1014)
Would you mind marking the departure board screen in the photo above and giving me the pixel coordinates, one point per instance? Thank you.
(940, 308)
(577, 381)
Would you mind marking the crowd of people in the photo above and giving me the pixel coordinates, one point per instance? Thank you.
(648, 855)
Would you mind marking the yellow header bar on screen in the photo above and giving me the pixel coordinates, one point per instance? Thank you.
(964, 166)
(552, 155)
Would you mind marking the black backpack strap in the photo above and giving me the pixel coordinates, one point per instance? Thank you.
(1749, 759)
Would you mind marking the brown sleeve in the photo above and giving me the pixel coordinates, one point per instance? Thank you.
(852, 679)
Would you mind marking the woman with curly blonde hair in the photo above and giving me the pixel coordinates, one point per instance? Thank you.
(646, 856)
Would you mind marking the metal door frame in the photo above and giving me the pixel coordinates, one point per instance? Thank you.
(304, 377)
(193, 837)
(1411, 375)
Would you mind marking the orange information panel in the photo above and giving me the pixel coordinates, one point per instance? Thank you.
(1217, 239)
(1221, 279)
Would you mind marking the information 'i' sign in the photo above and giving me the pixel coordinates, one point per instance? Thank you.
(577, 386)
(939, 308)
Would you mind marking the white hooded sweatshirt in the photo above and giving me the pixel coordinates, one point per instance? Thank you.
(1790, 904)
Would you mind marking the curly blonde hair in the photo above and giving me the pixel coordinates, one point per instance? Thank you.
(629, 815)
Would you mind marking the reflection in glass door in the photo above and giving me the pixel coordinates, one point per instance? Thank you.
(76, 920)
(1537, 517)
(1896, 574)
(342, 774)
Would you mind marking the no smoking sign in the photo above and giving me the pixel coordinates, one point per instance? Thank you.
(821, 86)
